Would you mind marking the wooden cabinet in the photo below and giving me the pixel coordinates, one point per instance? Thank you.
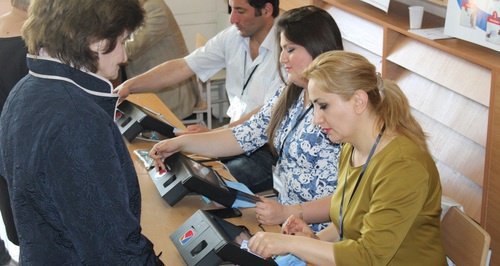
(439, 2)
(452, 86)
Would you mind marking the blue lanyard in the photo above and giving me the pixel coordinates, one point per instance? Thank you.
(341, 222)
(302, 116)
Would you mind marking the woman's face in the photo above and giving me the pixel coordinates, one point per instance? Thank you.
(109, 64)
(295, 59)
(332, 113)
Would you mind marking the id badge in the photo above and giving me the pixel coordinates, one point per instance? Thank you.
(278, 180)
(236, 109)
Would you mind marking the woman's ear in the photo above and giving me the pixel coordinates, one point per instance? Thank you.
(360, 101)
(97, 46)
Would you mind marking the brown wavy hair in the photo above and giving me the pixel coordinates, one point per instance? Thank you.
(314, 29)
(66, 28)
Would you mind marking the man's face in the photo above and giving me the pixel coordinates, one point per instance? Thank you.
(244, 17)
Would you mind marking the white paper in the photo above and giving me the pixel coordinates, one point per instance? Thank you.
(380, 4)
(431, 34)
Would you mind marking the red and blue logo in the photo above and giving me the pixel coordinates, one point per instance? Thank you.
(186, 237)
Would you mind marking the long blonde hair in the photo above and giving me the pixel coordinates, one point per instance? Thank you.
(343, 73)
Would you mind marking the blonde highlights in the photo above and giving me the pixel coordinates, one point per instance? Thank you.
(344, 73)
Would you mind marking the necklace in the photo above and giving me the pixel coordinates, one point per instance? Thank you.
(341, 222)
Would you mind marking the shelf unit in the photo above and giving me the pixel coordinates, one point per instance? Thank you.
(451, 85)
(439, 2)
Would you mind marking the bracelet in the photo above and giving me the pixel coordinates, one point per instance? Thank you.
(301, 214)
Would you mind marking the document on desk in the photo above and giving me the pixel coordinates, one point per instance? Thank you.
(143, 154)
(431, 34)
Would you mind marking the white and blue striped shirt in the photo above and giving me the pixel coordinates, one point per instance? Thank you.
(228, 49)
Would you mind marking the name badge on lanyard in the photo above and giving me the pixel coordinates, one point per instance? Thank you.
(278, 180)
(236, 109)
(237, 106)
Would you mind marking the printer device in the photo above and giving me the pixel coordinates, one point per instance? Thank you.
(133, 119)
(184, 175)
(207, 240)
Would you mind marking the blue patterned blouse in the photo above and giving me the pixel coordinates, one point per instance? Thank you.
(308, 160)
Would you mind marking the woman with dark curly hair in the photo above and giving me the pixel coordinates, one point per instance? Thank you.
(73, 187)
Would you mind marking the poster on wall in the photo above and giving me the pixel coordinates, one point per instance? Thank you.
(380, 4)
(474, 21)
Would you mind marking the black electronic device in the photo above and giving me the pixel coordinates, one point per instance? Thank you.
(225, 212)
(185, 175)
(133, 119)
(205, 239)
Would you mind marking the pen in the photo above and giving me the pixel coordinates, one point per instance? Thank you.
(157, 114)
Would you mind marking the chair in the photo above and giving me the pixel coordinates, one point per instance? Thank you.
(465, 242)
(205, 104)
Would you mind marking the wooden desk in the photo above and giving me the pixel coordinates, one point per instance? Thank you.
(158, 219)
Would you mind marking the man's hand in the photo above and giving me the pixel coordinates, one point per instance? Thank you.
(123, 91)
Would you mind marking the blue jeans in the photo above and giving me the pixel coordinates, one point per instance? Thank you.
(254, 170)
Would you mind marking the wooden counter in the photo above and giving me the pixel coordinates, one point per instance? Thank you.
(158, 219)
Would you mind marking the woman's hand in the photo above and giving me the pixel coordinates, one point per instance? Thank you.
(162, 150)
(269, 244)
(192, 129)
(271, 212)
(296, 226)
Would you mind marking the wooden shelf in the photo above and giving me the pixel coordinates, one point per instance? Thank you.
(397, 19)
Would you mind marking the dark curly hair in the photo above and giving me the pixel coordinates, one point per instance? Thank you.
(65, 29)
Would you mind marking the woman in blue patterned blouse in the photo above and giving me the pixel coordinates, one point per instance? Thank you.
(306, 171)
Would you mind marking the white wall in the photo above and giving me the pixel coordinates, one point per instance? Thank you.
(207, 17)
(204, 16)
